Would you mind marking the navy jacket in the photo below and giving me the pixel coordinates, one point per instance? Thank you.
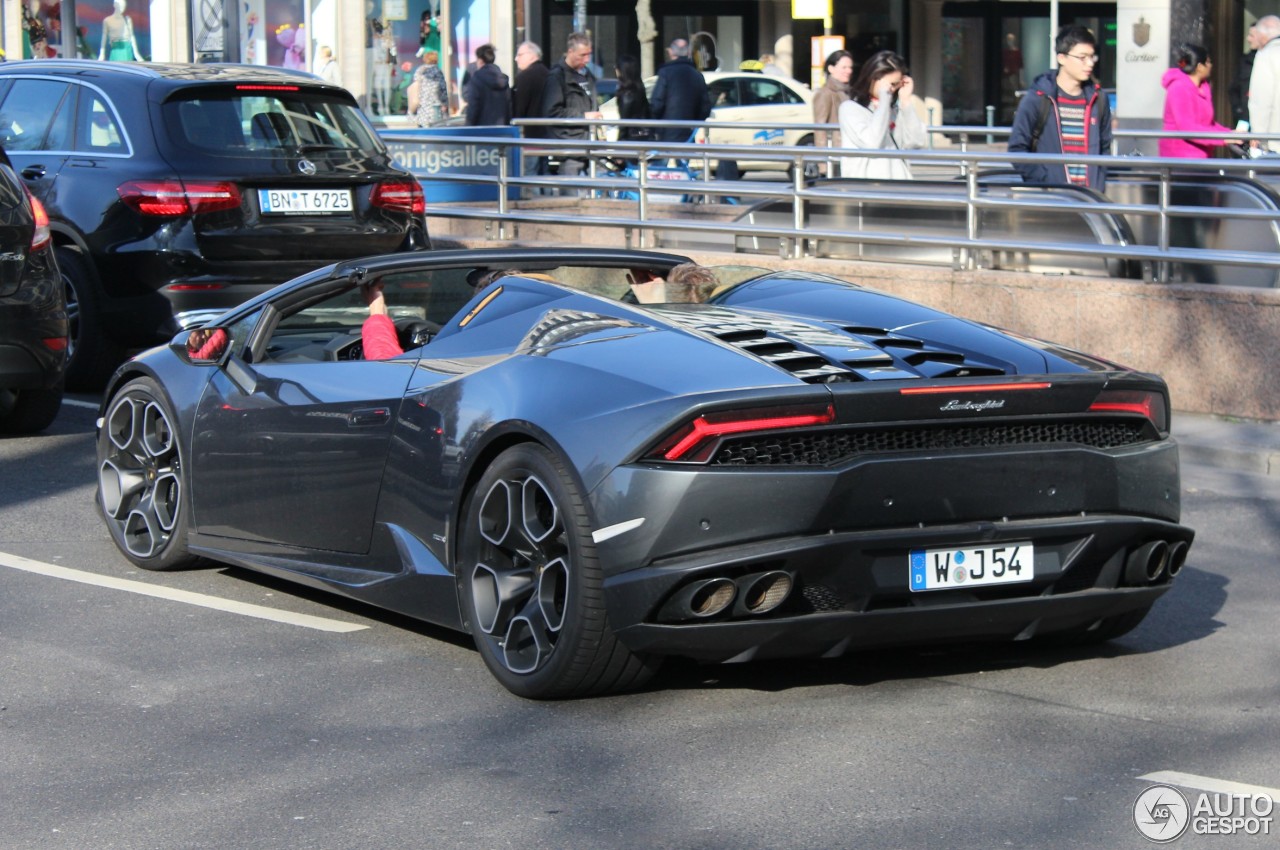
(680, 95)
(488, 97)
(1097, 115)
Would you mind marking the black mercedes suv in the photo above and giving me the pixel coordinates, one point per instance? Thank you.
(177, 191)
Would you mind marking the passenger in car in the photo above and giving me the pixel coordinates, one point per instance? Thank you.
(687, 283)
(378, 333)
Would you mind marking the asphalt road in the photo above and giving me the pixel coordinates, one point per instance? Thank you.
(138, 721)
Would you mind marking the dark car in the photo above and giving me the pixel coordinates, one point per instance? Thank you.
(33, 314)
(177, 191)
(798, 467)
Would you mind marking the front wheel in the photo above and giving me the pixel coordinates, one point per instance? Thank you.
(531, 586)
(142, 480)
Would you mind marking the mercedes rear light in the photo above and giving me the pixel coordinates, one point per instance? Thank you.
(41, 235)
(178, 198)
(402, 196)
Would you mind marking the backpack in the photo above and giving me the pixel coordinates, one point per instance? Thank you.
(1041, 118)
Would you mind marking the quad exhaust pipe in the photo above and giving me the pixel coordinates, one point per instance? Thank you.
(749, 596)
(1154, 560)
(1146, 564)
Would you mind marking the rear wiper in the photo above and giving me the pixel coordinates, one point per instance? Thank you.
(318, 147)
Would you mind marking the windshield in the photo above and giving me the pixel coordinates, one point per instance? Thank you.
(243, 120)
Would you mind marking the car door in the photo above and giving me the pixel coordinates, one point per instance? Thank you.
(291, 439)
(37, 119)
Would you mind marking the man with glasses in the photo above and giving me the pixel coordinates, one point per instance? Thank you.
(1065, 112)
(570, 92)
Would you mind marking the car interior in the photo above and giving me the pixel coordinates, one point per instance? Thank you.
(421, 301)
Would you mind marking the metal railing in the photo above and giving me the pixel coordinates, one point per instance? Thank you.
(638, 217)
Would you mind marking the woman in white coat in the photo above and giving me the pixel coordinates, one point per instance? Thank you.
(880, 116)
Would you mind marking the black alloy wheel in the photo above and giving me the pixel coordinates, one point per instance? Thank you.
(531, 585)
(142, 485)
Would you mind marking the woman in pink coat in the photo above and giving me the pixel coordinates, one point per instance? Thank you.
(1188, 104)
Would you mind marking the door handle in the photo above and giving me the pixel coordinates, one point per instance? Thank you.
(366, 416)
(33, 172)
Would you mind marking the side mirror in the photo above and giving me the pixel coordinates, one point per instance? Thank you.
(202, 346)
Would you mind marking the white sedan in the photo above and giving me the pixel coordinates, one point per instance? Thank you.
(749, 98)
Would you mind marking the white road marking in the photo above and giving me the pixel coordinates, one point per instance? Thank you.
(1208, 783)
(75, 402)
(218, 604)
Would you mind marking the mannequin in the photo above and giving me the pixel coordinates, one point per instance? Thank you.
(34, 37)
(118, 43)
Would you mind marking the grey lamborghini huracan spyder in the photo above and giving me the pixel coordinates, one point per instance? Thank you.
(797, 466)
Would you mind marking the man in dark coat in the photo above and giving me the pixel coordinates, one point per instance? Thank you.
(526, 101)
(526, 94)
(680, 94)
(1238, 90)
(571, 93)
(488, 92)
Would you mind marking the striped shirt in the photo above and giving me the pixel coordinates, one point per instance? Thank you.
(1073, 115)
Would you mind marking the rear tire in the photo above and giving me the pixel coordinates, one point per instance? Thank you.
(142, 480)
(93, 355)
(29, 411)
(531, 586)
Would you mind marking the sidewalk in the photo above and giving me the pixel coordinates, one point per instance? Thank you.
(1226, 443)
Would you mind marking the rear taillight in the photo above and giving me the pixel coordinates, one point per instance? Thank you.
(1139, 402)
(175, 197)
(402, 196)
(695, 441)
(41, 235)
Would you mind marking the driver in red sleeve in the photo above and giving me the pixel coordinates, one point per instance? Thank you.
(378, 333)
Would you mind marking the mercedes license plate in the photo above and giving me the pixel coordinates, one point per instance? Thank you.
(952, 569)
(309, 201)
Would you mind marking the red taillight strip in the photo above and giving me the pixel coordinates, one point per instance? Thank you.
(1140, 407)
(952, 389)
(702, 430)
(260, 87)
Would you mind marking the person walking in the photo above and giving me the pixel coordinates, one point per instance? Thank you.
(1238, 89)
(1065, 112)
(570, 92)
(526, 99)
(327, 66)
(1188, 104)
(834, 91)
(1264, 83)
(878, 115)
(680, 94)
(428, 97)
(633, 103)
(489, 91)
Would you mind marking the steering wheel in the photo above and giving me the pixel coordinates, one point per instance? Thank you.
(415, 333)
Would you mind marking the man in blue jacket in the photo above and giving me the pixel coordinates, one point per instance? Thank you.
(681, 93)
(1065, 113)
(488, 91)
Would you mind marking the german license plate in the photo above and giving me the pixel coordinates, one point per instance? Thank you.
(309, 201)
(952, 569)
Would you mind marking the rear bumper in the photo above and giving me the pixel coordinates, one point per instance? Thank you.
(851, 591)
(843, 538)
